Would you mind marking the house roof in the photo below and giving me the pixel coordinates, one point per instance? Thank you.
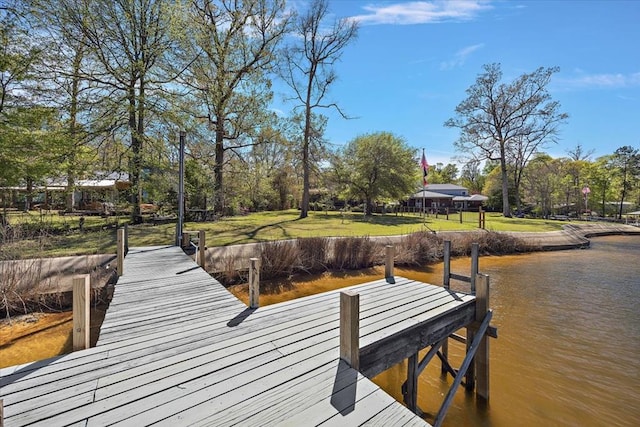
(473, 198)
(445, 187)
(430, 195)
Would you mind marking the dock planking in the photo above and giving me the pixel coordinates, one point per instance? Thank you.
(176, 348)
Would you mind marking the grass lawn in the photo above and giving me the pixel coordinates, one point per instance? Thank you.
(256, 227)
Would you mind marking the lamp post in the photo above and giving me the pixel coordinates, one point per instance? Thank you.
(180, 223)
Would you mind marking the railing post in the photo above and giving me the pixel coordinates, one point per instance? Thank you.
(482, 355)
(81, 312)
(120, 252)
(202, 247)
(185, 239)
(254, 283)
(460, 215)
(350, 328)
(388, 265)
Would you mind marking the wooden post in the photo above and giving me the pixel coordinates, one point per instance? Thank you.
(254, 282)
(185, 239)
(411, 399)
(350, 328)
(202, 247)
(470, 377)
(446, 282)
(447, 212)
(120, 252)
(482, 355)
(475, 249)
(460, 216)
(81, 312)
(388, 265)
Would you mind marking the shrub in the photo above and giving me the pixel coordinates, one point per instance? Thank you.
(313, 253)
(418, 249)
(278, 258)
(350, 253)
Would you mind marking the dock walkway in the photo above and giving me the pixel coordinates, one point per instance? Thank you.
(176, 348)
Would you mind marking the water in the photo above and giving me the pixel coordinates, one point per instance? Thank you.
(568, 346)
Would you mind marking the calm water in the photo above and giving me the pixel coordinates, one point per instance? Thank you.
(569, 341)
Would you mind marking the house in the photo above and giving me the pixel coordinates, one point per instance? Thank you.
(442, 196)
(98, 194)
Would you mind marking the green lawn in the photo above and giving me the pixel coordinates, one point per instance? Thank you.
(257, 227)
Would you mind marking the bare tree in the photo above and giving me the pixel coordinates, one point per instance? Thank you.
(508, 122)
(309, 72)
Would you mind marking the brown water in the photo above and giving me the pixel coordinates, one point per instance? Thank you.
(569, 338)
(42, 335)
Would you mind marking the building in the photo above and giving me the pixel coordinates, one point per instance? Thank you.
(442, 196)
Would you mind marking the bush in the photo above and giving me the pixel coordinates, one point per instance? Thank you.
(313, 253)
(278, 258)
(351, 253)
(418, 249)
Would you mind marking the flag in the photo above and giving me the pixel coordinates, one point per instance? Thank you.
(425, 169)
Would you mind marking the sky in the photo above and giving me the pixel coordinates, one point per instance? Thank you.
(413, 61)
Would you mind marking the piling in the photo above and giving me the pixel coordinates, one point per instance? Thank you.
(388, 265)
(254, 282)
(81, 310)
(350, 328)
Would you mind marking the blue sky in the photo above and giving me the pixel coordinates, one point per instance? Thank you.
(413, 61)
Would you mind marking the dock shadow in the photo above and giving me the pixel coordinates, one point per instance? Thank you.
(240, 317)
(197, 267)
(343, 395)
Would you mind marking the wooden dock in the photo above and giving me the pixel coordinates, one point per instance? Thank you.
(176, 348)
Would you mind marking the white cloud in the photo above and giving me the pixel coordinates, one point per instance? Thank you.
(460, 57)
(617, 80)
(422, 12)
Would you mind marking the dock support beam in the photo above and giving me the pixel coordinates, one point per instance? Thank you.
(120, 251)
(254, 283)
(388, 265)
(81, 312)
(411, 398)
(470, 379)
(446, 283)
(350, 328)
(482, 354)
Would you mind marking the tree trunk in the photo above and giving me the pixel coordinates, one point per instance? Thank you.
(136, 148)
(218, 199)
(28, 200)
(506, 210)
